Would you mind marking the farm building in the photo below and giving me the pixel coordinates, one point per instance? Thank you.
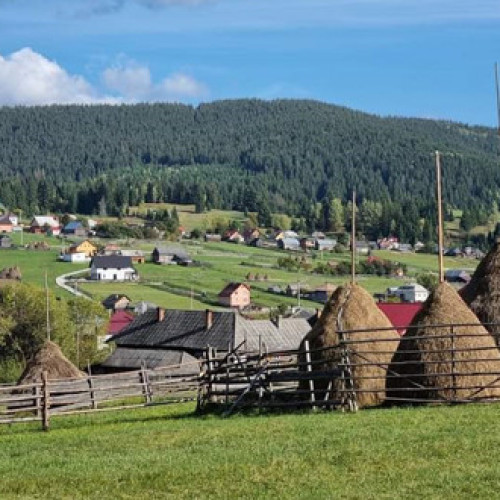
(86, 247)
(171, 254)
(137, 256)
(75, 228)
(112, 268)
(45, 224)
(289, 244)
(325, 244)
(457, 276)
(5, 241)
(322, 293)
(193, 331)
(400, 314)
(212, 237)
(412, 293)
(75, 257)
(119, 320)
(235, 295)
(6, 225)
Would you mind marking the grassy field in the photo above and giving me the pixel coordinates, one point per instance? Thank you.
(439, 452)
(220, 263)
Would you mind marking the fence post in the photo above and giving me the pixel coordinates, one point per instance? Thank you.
(145, 384)
(312, 395)
(46, 402)
(201, 382)
(453, 375)
(38, 400)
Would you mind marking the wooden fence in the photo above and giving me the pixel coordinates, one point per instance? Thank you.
(43, 400)
(459, 365)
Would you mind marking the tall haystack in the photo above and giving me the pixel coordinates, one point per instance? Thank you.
(482, 293)
(431, 365)
(352, 308)
(49, 358)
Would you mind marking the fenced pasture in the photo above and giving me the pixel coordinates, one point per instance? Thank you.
(98, 393)
(458, 364)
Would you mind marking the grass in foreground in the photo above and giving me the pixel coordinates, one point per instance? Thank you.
(440, 452)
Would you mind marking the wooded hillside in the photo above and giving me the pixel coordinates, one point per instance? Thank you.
(242, 154)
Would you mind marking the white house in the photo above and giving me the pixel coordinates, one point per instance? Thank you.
(112, 268)
(412, 293)
(75, 257)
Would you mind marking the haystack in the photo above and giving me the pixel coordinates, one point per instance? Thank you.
(49, 358)
(430, 365)
(482, 293)
(352, 308)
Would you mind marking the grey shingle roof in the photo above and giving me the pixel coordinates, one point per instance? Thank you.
(186, 330)
(133, 359)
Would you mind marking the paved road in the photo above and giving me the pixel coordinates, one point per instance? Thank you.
(61, 281)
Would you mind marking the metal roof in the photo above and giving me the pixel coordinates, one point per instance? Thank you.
(111, 262)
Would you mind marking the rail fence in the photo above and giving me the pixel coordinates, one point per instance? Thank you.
(457, 363)
(42, 400)
(452, 364)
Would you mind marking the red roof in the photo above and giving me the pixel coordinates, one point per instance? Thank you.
(400, 314)
(119, 320)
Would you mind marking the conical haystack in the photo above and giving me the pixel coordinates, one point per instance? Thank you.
(431, 365)
(49, 358)
(352, 308)
(482, 293)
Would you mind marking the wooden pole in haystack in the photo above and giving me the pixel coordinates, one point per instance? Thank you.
(47, 305)
(498, 97)
(440, 217)
(353, 239)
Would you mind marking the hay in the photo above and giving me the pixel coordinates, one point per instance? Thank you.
(49, 358)
(427, 370)
(352, 308)
(482, 293)
(11, 273)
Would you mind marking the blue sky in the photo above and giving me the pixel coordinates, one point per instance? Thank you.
(425, 58)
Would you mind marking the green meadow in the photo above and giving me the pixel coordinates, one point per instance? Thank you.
(168, 452)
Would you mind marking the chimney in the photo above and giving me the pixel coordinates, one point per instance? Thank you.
(160, 314)
(209, 318)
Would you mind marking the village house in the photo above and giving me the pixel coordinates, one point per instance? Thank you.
(119, 320)
(412, 293)
(75, 257)
(75, 228)
(165, 337)
(45, 224)
(6, 225)
(457, 276)
(112, 268)
(362, 248)
(86, 247)
(235, 295)
(111, 249)
(325, 244)
(116, 301)
(322, 293)
(137, 256)
(213, 238)
(171, 254)
(5, 241)
(400, 314)
(13, 218)
(233, 236)
(289, 244)
(251, 234)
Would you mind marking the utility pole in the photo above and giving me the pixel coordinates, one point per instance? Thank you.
(440, 217)
(498, 97)
(353, 239)
(47, 305)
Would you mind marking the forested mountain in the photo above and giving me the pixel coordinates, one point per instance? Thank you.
(285, 155)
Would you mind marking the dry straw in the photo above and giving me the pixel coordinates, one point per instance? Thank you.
(352, 308)
(49, 358)
(482, 293)
(431, 364)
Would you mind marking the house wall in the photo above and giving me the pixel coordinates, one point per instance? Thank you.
(5, 228)
(112, 274)
(75, 257)
(240, 297)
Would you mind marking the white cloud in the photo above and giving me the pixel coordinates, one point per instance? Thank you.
(134, 83)
(29, 78)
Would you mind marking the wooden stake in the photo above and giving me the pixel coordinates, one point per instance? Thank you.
(353, 239)
(47, 305)
(440, 217)
(46, 402)
(498, 97)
